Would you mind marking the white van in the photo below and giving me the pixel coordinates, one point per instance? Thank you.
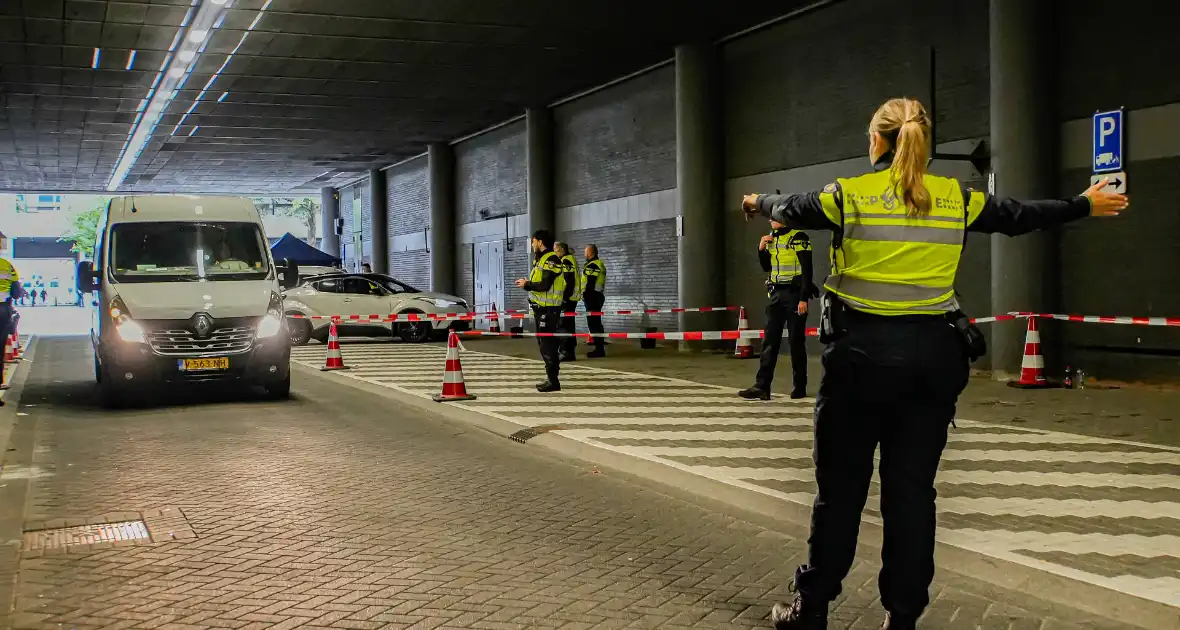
(186, 292)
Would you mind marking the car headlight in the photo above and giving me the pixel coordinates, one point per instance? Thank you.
(273, 321)
(129, 330)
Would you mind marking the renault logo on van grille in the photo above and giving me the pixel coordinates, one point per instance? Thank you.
(202, 325)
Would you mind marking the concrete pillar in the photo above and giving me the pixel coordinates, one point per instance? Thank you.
(1024, 145)
(542, 195)
(329, 212)
(442, 217)
(700, 183)
(379, 221)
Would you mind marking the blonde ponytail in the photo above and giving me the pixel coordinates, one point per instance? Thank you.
(904, 121)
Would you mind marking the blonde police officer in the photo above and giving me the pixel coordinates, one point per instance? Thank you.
(898, 351)
(546, 287)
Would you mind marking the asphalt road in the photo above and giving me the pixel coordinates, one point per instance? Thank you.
(343, 509)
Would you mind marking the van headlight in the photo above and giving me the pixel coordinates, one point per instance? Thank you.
(129, 330)
(273, 321)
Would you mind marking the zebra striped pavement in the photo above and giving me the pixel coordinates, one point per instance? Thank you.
(1098, 510)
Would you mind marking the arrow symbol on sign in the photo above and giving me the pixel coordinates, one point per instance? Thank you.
(1117, 182)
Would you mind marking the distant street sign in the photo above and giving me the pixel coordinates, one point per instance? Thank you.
(1117, 183)
(1108, 141)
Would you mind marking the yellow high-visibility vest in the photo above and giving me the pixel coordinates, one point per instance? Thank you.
(571, 264)
(784, 257)
(550, 261)
(8, 276)
(595, 269)
(892, 264)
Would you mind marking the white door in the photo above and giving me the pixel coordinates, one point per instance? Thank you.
(488, 259)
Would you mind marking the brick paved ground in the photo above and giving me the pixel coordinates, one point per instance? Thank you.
(342, 510)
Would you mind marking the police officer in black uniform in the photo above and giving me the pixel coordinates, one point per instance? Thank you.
(546, 287)
(898, 351)
(785, 255)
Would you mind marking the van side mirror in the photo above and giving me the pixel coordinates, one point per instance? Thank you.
(289, 274)
(84, 280)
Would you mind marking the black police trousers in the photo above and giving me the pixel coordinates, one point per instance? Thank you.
(548, 320)
(893, 382)
(782, 312)
(594, 302)
(569, 345)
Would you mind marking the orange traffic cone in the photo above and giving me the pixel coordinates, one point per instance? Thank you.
(1032, 367)
(453, 387)
(495, 327)
(744, 348)
(18, 351)
(9, 357)
(335, 360)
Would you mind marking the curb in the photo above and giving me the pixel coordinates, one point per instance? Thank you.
(16, 451)
(773, 513)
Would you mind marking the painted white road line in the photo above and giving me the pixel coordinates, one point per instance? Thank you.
(957, 438)
(499, 385)
(633, 414)
(971, 477)
(1058, 508)
(1072, 543)
(802, 420)
(949, 455)
(705, 398)
(589, 377)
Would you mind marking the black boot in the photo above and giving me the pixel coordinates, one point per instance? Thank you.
(800, 391)
(596, 353)
(897, 622)
(754, 393)
(799, 615)
(548, 386)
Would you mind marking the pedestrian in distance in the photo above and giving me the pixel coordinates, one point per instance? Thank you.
(594, 297)
(897, 351)
(569, 304)
(785, 256)
(546, 287)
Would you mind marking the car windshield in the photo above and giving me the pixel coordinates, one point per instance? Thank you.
(396, 286)
(187, 252)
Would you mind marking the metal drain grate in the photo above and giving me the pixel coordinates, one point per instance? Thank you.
(85, 535)
(524, 435)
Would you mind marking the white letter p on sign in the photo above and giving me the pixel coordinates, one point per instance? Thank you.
(1106, 127)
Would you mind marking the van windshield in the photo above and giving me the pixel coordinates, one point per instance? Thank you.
(187, 252)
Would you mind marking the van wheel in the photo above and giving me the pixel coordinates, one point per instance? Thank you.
(112, 393)
(97, 370)
(279, 390)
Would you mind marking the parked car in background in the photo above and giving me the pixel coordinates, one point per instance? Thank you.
(367, 294)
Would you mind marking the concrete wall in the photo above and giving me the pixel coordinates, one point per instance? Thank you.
(615, 168)
(798, 97)
(408, 192)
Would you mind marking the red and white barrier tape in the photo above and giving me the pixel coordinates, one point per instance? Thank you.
(427, 317)
(1096, 319)
(697, 335)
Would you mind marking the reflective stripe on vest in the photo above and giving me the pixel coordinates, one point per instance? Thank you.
(7, 275)
(571, 264)
(892, 264)
(550, 261)
(597, 269)
(784, 261)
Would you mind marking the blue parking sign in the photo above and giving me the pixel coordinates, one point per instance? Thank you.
(1108, 141)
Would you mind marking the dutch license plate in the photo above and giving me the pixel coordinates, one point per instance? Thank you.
(203, 365)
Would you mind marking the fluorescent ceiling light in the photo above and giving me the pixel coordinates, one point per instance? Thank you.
(186, 55)
(194, 130)
(198, 35)
(222, 97)
(176, 72)
(131, 60)
(218, 2)
(94, 60)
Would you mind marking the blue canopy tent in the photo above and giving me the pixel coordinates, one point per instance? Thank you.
(293, 249)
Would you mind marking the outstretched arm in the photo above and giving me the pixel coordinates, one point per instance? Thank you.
(805, 211)
(1013, 217)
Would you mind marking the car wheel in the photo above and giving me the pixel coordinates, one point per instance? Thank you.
(415, 332)
(279, 390)
(112, 394)
(300, 330)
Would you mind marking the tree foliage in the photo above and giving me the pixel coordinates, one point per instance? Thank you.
(304, 208)
(83, 230)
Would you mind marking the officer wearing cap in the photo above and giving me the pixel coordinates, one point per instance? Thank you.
(898, 351)
(594, 297)
(546, 287)
(569, 303)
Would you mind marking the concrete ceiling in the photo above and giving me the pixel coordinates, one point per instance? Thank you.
(317, 92)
